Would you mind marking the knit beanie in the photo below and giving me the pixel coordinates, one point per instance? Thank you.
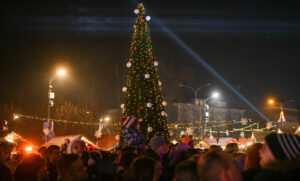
(284, 146)
(156, 142)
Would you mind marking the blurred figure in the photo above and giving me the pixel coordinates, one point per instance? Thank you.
(158, 145)
(53, 157)
(32, 168)
(280, 158)
(252, 166)
(43, 152)
(63, 147)
(5, 153)
(144, 169)
(188, 140)
(231, 147)
(215, 147)
(71, 168)
(218, 166)
(239, 158)
(97, 168)
(186, 170)
(126, 159)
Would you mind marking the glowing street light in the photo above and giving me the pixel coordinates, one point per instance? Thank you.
(61, 72)
(106, 119)
(51, 96)
(215, 95)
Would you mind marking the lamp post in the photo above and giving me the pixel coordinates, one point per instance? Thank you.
(214, 95)
(50, 126)
(195, 90)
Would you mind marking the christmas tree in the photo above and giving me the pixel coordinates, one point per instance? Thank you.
(143, 98)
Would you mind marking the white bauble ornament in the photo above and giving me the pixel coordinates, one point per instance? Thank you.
(149, 104)
(147, 76)
(164, 103)
(136, 11)
(159, 83)
(163, 113)
(148, 18)
(156, 63)
(242, 134)
(150, 129)
(124, 89)
(128, 64)
(122, 106)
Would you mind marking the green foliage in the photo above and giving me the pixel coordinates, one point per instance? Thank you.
(141, 90)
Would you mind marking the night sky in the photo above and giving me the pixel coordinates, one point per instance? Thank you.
(254, 46)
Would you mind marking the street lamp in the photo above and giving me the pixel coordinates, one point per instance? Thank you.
(214, 95)
(195, 90)
(51, 96)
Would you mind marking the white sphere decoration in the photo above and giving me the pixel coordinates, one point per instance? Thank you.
(148, 18)
(163, 113)
(156, 63)
(147, 76)
(159, 83)
(122, 106)
(128, 64)
(136, 11)
(164, 103)
(149, 104)
(150, 129)
(242, 134)
(124, 89)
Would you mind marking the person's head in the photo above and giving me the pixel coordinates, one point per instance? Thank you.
(53, 154)
(186, 170)
(215, 147)
(126, 159)
(143, 168)
(188, 140)
(76, 146)
(5, 150)
(218, 166)
(43, 152)
(158, 145)
(33, 167)
(67, 141)
(279, 147)
(71, 168)
(252, 159)
(231, 147)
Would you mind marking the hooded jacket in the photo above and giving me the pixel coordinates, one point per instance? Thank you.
(280, 170)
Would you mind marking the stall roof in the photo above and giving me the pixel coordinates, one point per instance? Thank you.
(59, 140)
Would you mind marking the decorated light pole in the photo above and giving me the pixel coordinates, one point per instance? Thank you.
(49, 125)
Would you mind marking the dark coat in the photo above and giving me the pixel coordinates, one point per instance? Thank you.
(101, 169)
(280, 170)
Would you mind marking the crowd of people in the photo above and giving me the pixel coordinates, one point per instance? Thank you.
(278, 158)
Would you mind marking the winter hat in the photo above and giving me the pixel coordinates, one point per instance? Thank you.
(186, 139)
(156, 142)
(284, 146)
(128, 121)
(69, 149)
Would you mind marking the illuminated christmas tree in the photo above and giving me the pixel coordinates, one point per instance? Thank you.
(143, 98)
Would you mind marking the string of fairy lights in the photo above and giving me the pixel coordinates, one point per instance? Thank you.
(248, 128)
(17, 116)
